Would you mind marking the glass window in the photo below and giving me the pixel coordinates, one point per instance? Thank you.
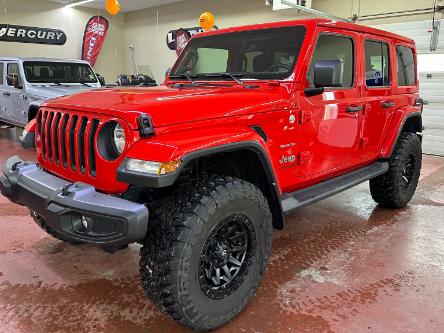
(255, 54)
(58, 72)
(211, 60)
(331, 48)
(406, 66)
(2, 66)
(14, 70)
(377, 64)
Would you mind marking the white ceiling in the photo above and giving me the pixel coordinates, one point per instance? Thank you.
(126, 5)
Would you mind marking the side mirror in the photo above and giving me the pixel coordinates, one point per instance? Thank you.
(328, 73)
(12, 80)
(101, 79)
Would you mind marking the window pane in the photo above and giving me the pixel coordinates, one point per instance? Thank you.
(406, 66)
(1, 73)
(377, 64)
(13, 70)
(333, 48)
(257, 54)
(61, 72)
(211, 61)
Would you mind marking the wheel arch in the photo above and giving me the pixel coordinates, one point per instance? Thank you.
(234, 159)
(404, 120)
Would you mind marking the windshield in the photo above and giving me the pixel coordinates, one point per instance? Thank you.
(58, 72)
(255, 54)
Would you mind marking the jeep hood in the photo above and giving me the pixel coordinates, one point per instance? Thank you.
(49, 92)
(168, 106)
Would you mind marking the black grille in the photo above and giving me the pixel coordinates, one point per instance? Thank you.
(68, 140)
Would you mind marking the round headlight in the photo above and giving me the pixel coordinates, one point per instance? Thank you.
(111, 140)
(119, 138)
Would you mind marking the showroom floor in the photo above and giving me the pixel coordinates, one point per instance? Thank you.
(342, 265)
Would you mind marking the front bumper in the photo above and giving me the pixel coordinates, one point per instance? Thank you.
(111, 221)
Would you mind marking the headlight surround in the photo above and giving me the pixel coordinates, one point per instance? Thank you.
(152, 168)
(111, 140)
(119, 138)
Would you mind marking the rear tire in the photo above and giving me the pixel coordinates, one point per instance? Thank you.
(40, 221)
(396, 187)
(198, 232)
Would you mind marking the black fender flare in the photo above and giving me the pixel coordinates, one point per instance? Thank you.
(132, 177)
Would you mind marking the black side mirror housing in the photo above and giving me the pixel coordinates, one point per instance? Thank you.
(309, 92)
(328, 73)
(101, 79)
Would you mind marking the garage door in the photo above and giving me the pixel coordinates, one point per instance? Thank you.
(431, 81)
(431, 89)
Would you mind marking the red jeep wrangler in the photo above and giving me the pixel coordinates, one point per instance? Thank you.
(250, 124)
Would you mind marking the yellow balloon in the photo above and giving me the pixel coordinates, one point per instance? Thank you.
(206, 21)
(112, 7)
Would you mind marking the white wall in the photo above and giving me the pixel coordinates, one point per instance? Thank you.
(72, 21)
(140, 28)
(148, 38)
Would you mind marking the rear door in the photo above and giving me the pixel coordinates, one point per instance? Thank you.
(330, 123)
(378, 98)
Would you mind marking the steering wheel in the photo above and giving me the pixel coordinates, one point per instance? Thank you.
(280, 65)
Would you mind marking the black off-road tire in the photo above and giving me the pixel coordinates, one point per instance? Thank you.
(40, 221)
(180, 225)
(395, 188)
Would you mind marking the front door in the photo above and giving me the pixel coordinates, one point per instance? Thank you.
(329, 132)
(13, 97)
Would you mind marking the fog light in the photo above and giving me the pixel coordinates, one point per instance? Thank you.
(84, 222)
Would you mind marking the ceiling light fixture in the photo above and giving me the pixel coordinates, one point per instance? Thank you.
(77, 3)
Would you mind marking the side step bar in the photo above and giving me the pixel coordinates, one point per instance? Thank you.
(306, 196)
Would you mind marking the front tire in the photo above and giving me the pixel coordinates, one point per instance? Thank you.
(396, 187)
(206, 250)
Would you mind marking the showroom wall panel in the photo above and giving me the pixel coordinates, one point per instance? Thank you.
(72, 21)
(142, 32)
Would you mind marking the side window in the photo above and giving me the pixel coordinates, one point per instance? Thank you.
(337, 53)
(2, 66)
(406, 66)
(377, 64)
(13, 69)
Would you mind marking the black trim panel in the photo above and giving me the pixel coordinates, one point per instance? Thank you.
(410, 115)
(323, 190)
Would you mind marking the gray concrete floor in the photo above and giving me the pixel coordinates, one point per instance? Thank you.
(342, 265)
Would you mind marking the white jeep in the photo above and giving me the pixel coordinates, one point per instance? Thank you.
(25, 83)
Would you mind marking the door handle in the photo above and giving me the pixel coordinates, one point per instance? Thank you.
(353, 109)
(6, 94)
(387, 105)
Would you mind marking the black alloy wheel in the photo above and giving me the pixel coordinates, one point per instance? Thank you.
(226, 256)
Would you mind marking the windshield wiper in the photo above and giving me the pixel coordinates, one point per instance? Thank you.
(185, 76)
(85, 84)
(192, 81)
(226, 74)
(234, 77)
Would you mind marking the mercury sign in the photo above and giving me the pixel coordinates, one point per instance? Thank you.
(24, 34)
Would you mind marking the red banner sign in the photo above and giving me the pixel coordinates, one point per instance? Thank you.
(182, 38)
(93, 38)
